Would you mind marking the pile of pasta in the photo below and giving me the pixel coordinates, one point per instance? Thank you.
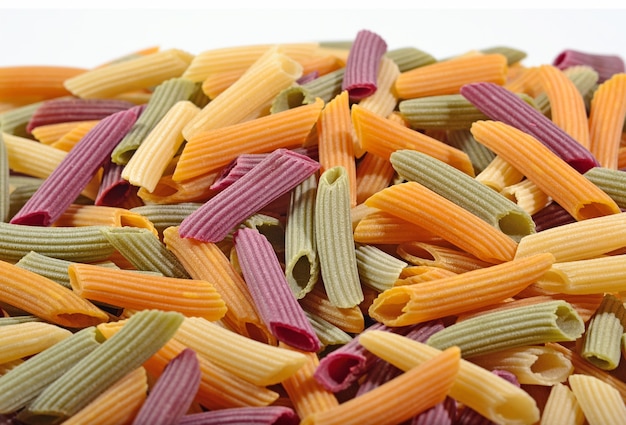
(314, 233)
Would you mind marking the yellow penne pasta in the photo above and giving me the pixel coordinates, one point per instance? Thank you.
(98, 215)
(567, 106)
(247, 97)
(447, 77)
(562, 407)
(168, 191)
(382, 137)
(150, 160)
(499, 174)
(576, 194)
(606, 120)
(347, 319)
(600, 402)
(526, 81)
(527, 195)
(139, 73)
(423, 254)
(383, 101)
(419, 205)
(595, 275)
(418, 274)
(69, 140)
(26, 339)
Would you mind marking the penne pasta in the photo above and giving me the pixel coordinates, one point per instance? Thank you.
(377, 269)
(605, 65)
(383, 101)
(363, 65)
(22, 340)
(563, 407)
(600, 403)
(603, 337)
(350, 320)
(527, 195)
(446, 258)
(606, 274)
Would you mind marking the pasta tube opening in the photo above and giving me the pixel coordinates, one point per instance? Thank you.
(515, 224)
(393, 307)
(550, 366)
(594, 209)
(568, 321)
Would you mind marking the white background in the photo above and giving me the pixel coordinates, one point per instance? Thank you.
(75, 33)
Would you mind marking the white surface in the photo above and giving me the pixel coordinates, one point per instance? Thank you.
(88, 37)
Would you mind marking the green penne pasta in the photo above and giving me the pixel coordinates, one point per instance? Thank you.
(26, 381)
(602, 340)
(466, 192)
(302, 263)
(550, 321)
(612, 182)
(165, 95)
(5, 195)
(410, 58)
(335, 242)
(15, 121)
(479, 154)
(198, 97)
(377, 269)
(144, 250)
(325, 87)
(327, 333)
(447, 112)
(512, 54)
(142, 336)
(585, 78)
(81, 244)
(13, 320)
(270, 227)
(542, 104)
(163, 216)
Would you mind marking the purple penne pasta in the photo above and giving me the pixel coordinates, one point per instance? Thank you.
(443, 413)
(306, 78)
(605, 65)
(271, 292)
(471, 417)
(75, 171)
(173, 393)
(75, 109)
(552, 215)
(266, 415)
(113, 189)
(363, 64)
(276, 175)
(501, 104)
(237, 169)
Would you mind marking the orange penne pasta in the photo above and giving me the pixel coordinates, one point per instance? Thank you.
(418, 274)
(527, 81)
(447, 77)
(335, 142)
(45, 298)
(139, 291)
(382, 137)
(380, 227)
(499, 174)
(50, 133)
(29, 84)
(399, 399)
(419, 205)
(168, 191)
(410, 304)
(575, 193)
(67, 141)
(305, 392)
(567, 105)
(349, 320)
(204, 260)
(120, 403)
(373, 173)
(211, 150)
(96, 215)
(424, 254)
(606, 120)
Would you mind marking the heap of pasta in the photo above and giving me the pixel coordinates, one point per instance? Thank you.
(314, 233)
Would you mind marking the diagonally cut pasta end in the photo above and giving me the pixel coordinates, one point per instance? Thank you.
(596, 209)
(516, 224)
(390, 305)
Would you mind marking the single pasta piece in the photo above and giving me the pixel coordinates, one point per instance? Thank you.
(407, 58)
(382, 136)
(532, 365)
(77, 215)
(373, 173)
(581, 198)
(599, 401)
(114, 191)
(29, 84)
(214, 149)
(25, 290)
(606, 120)
(246, 97)
(550, 321)
(168, 191)
(447, 77)
(606, 274)
(377, 269)
(276, 175)
(256, 362)
(453, 260)
(24, 382)
(120, 403)
(363, 64)
(327, 333)
(527, 195)
(5, 189)
(173, 393)
(268, 286)
(419, 274)
(499, 174)
(334, 240)
(410, 304)
(384, 228)
(129, 289)
(466, 192)
(383, 101)
(493, 397)
(405, 396)
(590, 240)
(26, 339)
(602, 340)
(139, 73)
(446, 111)
(605, 65)
(347, 319)
(142, 336)
(419, 205)
(562, 407)
(151, 158)
(66, 182)
(567, 105)
(502, 105)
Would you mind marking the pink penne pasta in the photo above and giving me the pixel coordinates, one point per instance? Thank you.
(272, 295)
(363, 64)
(274, 176)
